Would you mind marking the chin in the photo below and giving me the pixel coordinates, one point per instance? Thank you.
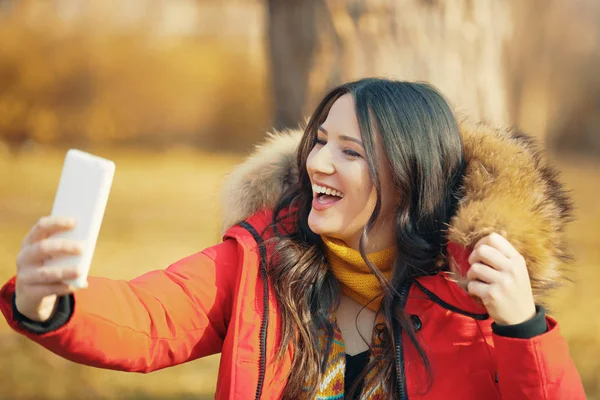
(324, 226)
(320, 224)
(316, 224)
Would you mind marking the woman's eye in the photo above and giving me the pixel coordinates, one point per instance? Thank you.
(351, 153)
(320, 141)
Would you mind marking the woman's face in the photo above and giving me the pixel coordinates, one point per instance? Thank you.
(337, 166)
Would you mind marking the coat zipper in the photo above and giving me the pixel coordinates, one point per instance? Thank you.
(402, 395)
(400, 373)
(264, 324)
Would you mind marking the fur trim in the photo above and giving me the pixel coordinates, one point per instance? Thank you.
(258, 182)
(509, 188)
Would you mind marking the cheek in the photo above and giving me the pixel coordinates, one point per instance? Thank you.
(366, 199)
(364, 195)
(371, 198)
(309, 159)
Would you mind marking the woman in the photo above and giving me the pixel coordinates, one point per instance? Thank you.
(368, 269)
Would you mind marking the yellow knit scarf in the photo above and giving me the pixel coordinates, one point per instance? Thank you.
(354, 276)
(359, 283)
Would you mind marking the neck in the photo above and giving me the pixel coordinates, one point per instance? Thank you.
(378, 239)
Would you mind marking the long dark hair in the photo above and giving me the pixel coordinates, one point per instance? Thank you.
(421, 140)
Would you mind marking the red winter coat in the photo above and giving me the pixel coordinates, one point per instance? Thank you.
(218, 301)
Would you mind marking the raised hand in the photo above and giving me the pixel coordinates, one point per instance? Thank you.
(499, 277)
(37, 286)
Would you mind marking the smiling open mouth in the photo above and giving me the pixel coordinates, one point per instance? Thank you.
(326, 196)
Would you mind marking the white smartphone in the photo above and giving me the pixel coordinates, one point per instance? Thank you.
(82, 194)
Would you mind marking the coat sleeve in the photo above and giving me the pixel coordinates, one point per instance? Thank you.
(159, 319)
(537, 368)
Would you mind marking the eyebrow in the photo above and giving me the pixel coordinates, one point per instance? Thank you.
(343, 137)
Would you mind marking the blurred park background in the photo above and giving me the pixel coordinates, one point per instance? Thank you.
(176, 92)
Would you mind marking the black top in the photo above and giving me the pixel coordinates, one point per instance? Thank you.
(354, 366)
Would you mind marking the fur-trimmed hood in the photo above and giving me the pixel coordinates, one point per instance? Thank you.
(509, 188)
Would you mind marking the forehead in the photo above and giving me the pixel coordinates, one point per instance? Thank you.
(342, 118)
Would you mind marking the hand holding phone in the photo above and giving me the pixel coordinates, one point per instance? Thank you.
(82, 194)
(56, 253)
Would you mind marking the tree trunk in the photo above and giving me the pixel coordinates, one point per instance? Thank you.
(504, 62)
(553, 84)
(457, 47)
(292, 30)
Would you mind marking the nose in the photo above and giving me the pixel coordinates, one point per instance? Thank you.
(320, 161)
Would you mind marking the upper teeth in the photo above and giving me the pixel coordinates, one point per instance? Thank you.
(326, 190)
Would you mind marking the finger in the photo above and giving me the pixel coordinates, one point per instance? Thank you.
(479, 289)
(47, 226)
(483, 273)
(47, 275)
(48, 248)
(488, 255)
(500, 243)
